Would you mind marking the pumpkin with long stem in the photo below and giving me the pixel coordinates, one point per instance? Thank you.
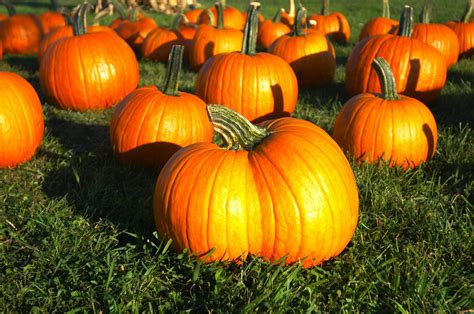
(89, 71)
(212, 40)
(262, 86)
(309, 53)
(151, 124)
(22, 122)
(398, 129)
(232, 17)
(270, 30)
(380, 25)
(464, 29)
(20, 33)
(437, 35)
(419, 69)
(333, 24)
(282, 190)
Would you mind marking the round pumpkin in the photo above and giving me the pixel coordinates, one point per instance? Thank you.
(21, 122)
(135, 30)
(150, 125)
(89, 71)
(261, 86)
(51, 20)
(309, 53)
(282, 190)
(232, 17)
(334, 24)
(419, 69)
(464, 29)
(380, 25)
(210, 41)
(398, 129)
(270, 30)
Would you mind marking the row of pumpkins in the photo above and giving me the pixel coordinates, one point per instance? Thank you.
(269, 185)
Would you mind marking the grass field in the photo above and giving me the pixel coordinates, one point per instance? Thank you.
(77, 233)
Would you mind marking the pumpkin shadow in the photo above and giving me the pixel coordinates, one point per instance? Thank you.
(28, 64)
(93, 182)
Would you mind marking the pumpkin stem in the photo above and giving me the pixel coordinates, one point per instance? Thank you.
(79, 25)
(299, 25)
(386, 9)
(386, 79)
(67, 18)
(468, 12)
(277, 16)
(54, 5)
(10, 8)
(238, 132)
(212, 19)
(425, 14)
(406, 22)
(249, 45)
(134, 14)
(291, 13)
(223, 3)
(175, 62)
(120, 9)
(325, 8)
(220, 15)
(177, 20)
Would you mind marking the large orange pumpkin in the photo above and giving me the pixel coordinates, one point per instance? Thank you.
(261, 86)
(282, 191)
(21, 120)
(398, 129)
(309, 53)
(232, 17)
(464, 29)
(380, 25)
(89, 71)
(270, 30)
(20, 33)
(150, 124)
(419, 69)
(437, 35)
(210, 41)
(334, 24)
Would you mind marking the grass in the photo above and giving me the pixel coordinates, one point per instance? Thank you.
(76, 228)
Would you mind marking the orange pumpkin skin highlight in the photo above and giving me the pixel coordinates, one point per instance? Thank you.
(21, 120)
(270, 31)
(378, 26)
(51, 20)
(88, 72)
(293, 194)
(20, 34)
(335, 25)
(465, 34)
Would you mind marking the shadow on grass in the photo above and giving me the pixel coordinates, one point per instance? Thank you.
(452, 109)
(94, 183)
(324, 96)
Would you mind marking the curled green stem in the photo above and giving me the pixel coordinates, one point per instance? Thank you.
(386, 79)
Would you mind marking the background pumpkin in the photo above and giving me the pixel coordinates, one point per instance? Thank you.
(150, 125)
(232, 17)
(334, 24)
(464, 29)
(419, 69)
(288, 18)
(51, 20)
(136, 29)
(398, 129)
(88, 71)
(282, 191)
(380, 25)
(22, 122)
(270, 30)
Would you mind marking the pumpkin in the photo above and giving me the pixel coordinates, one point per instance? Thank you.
(3, 17)
(89, 71)
(288, 18)
(136, 29)
(51, 20)
(398, 129)
(437, 35)
(124, 14)
(261, 86)
(419, 69)
(334, 24)
(309, 53)
(464, 29)
(20, 33)
(193, 15)
(380, 25)
(282, 190)
(270, 30)
(21, 123)
(212, 40)
(1, 51)
(150, 125)
(232, 17)
(157, 45)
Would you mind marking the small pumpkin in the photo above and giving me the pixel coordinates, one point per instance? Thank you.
(151, 124)
(282, 190)
(464, 29)
(212, 40)
(334, 24)
(232, 17)
(124, 13)
(89, 71)
(51, 20)
(388, 126)
(261, 86)
(270, 30)
(419, 69)
(136, 29)
(309, 53)
(380, 25)
(21, 123)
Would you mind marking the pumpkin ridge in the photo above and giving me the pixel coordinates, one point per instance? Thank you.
(375, 132)
(144, 115)
(130, 117)
(361, 137)
(16, 118)
(24, 118)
